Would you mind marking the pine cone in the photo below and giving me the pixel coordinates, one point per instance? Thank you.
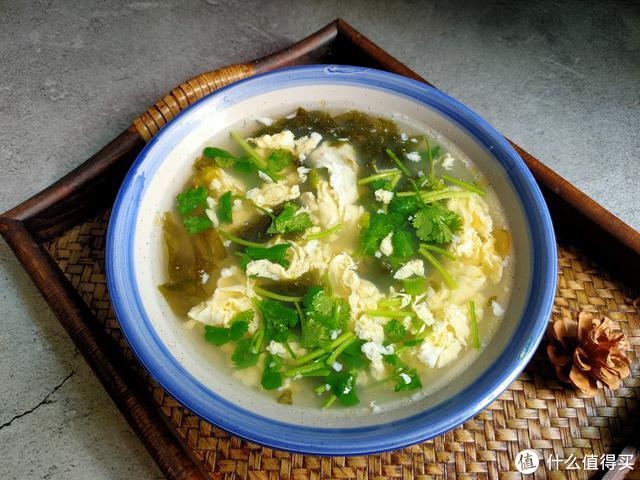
(588, 351)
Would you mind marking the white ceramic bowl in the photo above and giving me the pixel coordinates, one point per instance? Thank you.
(183, 364)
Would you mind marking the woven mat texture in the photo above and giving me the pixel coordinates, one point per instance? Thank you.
(536, 412)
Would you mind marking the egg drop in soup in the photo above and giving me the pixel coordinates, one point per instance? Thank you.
(333, 259)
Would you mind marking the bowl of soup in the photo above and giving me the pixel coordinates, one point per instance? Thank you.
(331, 260)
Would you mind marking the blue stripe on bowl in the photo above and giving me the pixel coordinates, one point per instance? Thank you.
(329, 441)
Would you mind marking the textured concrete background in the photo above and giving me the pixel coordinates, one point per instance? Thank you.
(560, 78)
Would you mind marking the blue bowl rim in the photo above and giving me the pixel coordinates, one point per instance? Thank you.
(164, 368)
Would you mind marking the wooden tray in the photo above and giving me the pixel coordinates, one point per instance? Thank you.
(58, 235)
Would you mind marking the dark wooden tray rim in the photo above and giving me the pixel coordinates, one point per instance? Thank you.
(92, 186)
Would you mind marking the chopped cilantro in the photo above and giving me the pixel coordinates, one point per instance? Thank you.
(225, 207)
(275, 254)
(191, 199)
(370, 237)
(394, 361)
(271, 376)
(323, 315)
(216, 335)
(244, 165)
(277, 319)
(394, 331)
(408, 380)
(221, 335)
(290, 221)
(343, 386)
(436, 224)
(403, 242)
(413, 342)
(244, 355)
(221, 157)
(352, 357)
(196, 224)
(404, 205)
(278, 160)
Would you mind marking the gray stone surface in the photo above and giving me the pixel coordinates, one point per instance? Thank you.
(560, 78)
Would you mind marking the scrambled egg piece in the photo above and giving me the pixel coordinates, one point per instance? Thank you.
(345, 282)
(275, 348)
(477, 263)
(223, 182)
(374, 352)
(232, 296)
(325, 209)
(271, 194)
(412, 267)
(386, 247)
(266, 143)
(368, 328)
(405, 298)
(475, 244)
(285, 140)
(302, 258)
(447, 339)
(343, 168)
(422, 310)
(447, 161)
(384, 196)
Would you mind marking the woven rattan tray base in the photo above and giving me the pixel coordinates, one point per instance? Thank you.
(536, 411)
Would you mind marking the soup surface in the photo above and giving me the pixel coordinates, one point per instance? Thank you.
(334, 259)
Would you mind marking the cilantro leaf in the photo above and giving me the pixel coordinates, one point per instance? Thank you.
(243, 356)
(246, 316)
(278, 319)
(394, 361)
(436, 224)
(221, 157)
(238, 329)
(196, 224)
(404, 205)
(221, 335)
(403, 242)
(244, 165)
(290, 221)
(343, 386)
(225, 208)
(370, 237)
(352, 357)
(275, 254)
(394, 331)
(323, 315)
(277, 161)
(191, 199)
(216, 335)
(271, 376)
(408, 380)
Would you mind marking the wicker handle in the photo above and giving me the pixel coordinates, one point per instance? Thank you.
(158, 115)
